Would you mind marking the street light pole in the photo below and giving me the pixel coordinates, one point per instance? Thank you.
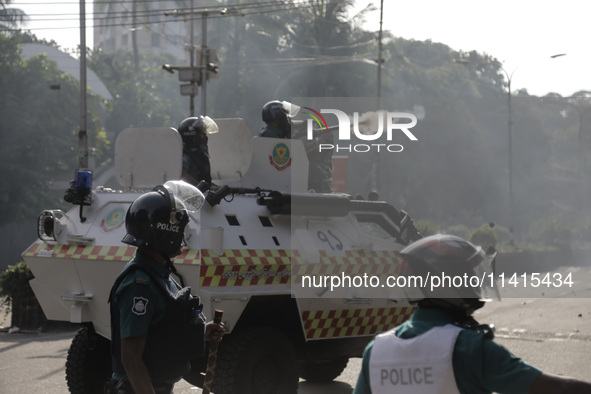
(376, 158)
(380, 61)
(581, 105)
(510, 143)
(509, 135)
(510, 149)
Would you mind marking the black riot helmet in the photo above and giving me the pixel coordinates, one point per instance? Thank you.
(156, 220)
(457, 274)
(194, 129)
(278, 114)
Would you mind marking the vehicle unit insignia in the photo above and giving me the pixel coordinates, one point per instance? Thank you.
(280, 157)
(113, 220)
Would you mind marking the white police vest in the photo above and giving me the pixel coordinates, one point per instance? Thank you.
(419, 365)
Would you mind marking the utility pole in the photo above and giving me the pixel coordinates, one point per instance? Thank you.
(198, 74)
(510, 150)
(204, 61)
(376, 158)
(509, 137)
(82, 134)
(380, 60)
(192, 61)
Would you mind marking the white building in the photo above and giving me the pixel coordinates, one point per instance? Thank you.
(156, 32)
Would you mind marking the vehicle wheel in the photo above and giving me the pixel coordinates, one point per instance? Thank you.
(322, 371)
(88, 364)
(258, 360)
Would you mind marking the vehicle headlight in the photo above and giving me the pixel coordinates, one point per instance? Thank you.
(49, 226)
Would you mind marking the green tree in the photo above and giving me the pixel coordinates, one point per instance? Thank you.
(297, 49)
(37, 133)
(341, 55)
(10, 17)
(146, 97)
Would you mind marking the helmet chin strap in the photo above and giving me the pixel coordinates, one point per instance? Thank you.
(172, 268)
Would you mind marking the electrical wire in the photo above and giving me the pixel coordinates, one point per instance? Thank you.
(257, 8)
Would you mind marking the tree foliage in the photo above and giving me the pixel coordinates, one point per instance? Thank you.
(455, 174)
(10, 17)
(38, 132)
(146, 97)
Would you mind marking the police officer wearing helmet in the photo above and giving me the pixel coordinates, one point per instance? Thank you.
(194, 132)
(157, 327)
(441, 348)
(277, 116)
(279, 124)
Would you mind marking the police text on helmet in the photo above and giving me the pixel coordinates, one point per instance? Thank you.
(167, 227)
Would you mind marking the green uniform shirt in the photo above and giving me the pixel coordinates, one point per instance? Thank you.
(273, 132)
(480, 365)
(141, 302)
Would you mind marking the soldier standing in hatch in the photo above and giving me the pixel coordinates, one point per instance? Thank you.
(277, 117)
(157, 327)
(194, 132)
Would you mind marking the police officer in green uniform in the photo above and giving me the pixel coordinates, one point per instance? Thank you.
(277, 117)
(441, 348)
(157, 327)
(195, 131)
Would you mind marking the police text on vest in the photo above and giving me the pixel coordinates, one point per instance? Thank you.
(407, 376)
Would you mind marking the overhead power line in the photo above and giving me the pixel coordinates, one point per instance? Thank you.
(246, 9)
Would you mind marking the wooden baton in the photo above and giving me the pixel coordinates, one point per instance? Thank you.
(212, 357)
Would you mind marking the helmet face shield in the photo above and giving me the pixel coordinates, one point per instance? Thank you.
(485, 268)
(209, 125)
(194, 130)
(157, 220)
(186, 196)
(291, 110)
(450, 269)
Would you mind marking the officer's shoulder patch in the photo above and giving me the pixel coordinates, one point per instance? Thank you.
(140, 305)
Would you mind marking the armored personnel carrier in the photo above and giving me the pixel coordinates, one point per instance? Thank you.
(263, 249)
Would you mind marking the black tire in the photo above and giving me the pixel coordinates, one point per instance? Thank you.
(257, 360)
(322, 371)
(88, 364)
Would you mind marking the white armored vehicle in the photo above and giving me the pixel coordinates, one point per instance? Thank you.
(263, 249)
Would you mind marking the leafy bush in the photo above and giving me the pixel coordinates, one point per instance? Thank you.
(426, 227)
(554, 232)
(484, 236)
(459, 230)
(14, 283)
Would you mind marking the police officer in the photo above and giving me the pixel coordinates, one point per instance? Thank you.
(277, 117)
(194, 132)
(441, 348)
(157, 327)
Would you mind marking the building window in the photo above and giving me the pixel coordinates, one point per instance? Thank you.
(110, 45)
(155, 40)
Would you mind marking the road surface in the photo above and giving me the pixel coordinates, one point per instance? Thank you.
(553, 334)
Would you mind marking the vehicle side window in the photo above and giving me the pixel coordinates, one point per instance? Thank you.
(377, 226)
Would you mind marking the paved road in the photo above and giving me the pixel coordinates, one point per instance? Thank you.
(553, 334)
